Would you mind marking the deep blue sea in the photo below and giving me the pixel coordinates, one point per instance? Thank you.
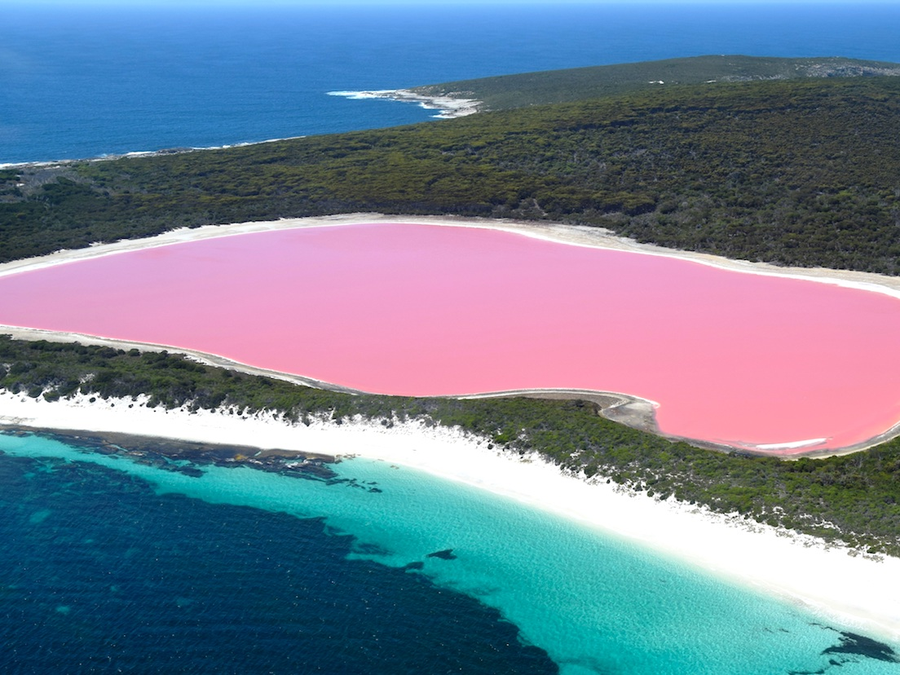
(111, 565)
(85, 82)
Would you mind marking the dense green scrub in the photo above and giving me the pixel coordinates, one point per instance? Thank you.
(505, 92)
(851, 499)
(800, 172)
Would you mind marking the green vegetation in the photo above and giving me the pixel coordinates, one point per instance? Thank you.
(577, 84)
(803, 172)
(758, 166)
(851, 499)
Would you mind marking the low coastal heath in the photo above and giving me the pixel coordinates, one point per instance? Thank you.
(760, 362)
(855, 591)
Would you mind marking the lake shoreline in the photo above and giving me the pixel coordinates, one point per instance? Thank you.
(577, 235)
(631, 410)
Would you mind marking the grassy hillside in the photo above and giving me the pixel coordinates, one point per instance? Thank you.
(577, 84)
(802, 172)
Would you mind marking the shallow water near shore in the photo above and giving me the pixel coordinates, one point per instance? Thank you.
(124, 564)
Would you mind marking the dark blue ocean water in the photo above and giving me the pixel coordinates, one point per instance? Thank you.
(84, 82)
(101, 575)
(115, 564)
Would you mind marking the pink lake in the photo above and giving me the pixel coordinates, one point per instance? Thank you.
(729, 357)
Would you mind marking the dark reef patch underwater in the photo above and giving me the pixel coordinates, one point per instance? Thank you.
(102, 574)
(130, 558)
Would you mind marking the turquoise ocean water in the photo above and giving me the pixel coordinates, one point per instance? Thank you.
(115, 563)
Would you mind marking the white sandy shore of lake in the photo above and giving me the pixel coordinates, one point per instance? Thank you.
(591, 237)
(859, 592)
(577, 235)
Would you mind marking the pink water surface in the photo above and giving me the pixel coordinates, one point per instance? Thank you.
(427, 310)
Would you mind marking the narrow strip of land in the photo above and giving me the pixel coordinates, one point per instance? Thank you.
(856, 591)
(636, 412)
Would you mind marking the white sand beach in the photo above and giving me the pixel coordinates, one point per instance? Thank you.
(859, 592)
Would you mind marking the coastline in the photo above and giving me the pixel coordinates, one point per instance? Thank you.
(448, 107)
(140, 153)
(834, 583)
